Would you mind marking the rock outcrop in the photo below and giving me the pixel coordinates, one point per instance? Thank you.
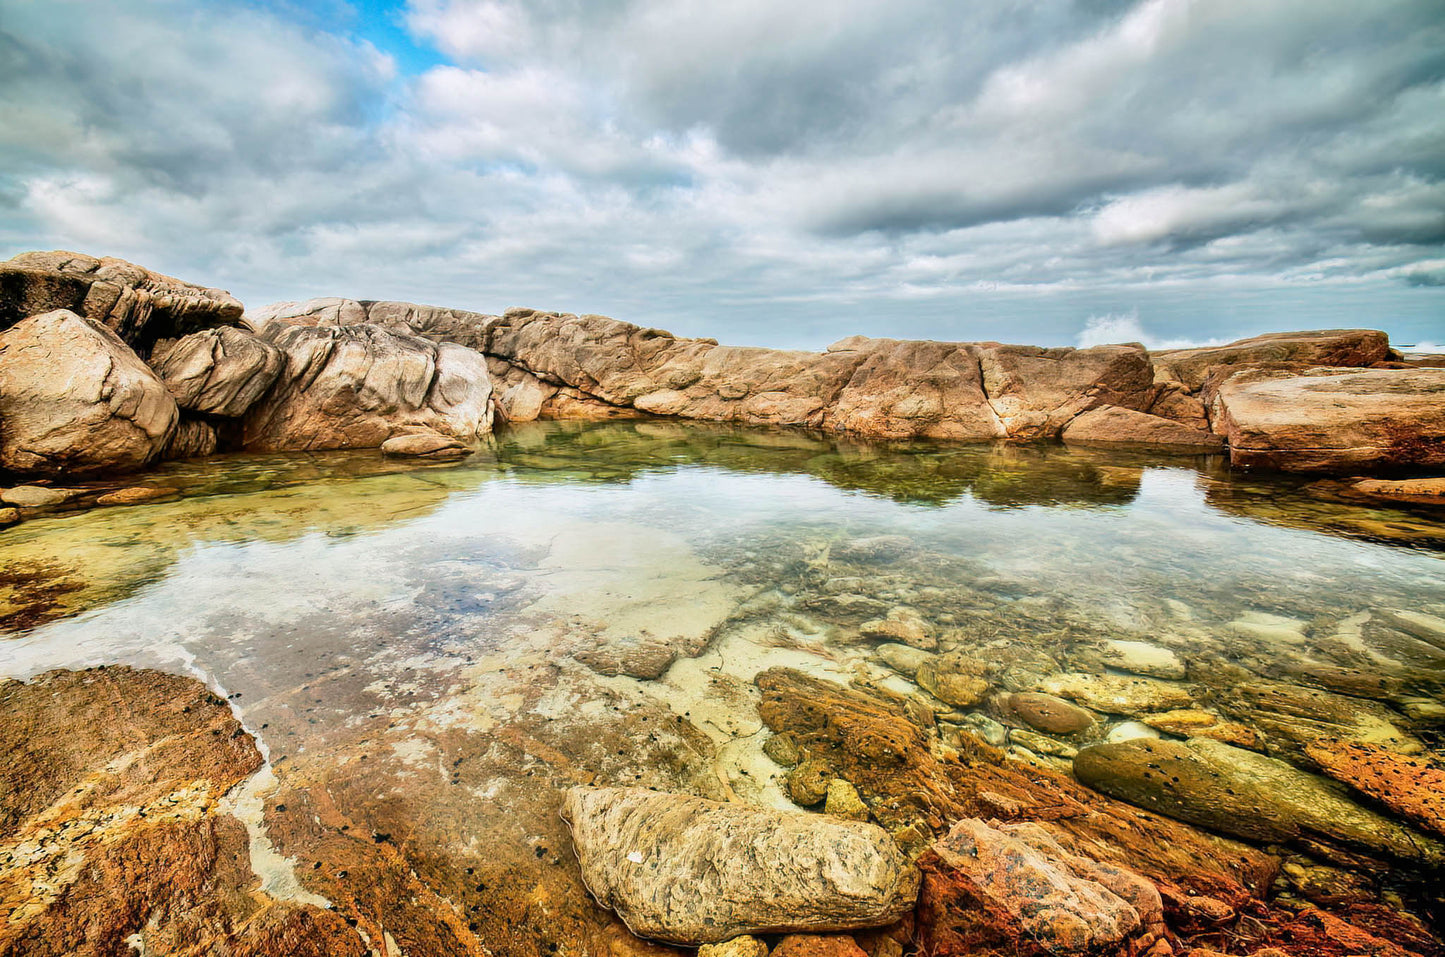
(436, 323)
(219, 371)
(692, 871)
(1332, 419)
(139, 305)
(1190, 368)
(1411, 786)
(1113, 427)
(114, 837)
(357, 386)
(75, 400)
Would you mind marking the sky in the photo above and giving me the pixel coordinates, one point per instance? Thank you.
(1058, 172)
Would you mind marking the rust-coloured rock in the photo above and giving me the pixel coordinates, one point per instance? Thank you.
(1413, 787)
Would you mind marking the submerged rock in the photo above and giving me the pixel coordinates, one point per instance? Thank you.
(692, 871)
(1412, 787)
(75, 400)
(1115, 694)
(1245, 794)
(35, 496)
(1013, 889)
(135, 495)
(1045, 712)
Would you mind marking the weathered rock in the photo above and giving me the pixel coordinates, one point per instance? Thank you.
(1047, 712)
(437, 323)
(1418, 624)
(1332, 420)
(427, 445)
(782, 749)
(955, 678)
(74, 399)
(691, 871)
(1292, 716)
(1412, 787)
(113, 837)
(218, 371)
(1143, 658)
(1420, 491)
(138, 305)
(1128, 429)
(642, 659)
(904, 389)
(1014, 890)
(818, 945)
(1116, 694)
(135, 495)
(1129, 731)
(843, 801)
(744, 946)
(192, 439)
(1244, 794)
(1036, 392)
(1330, 347)
(9, 516)
(916, 793)
(357, 386)
(35, 496)
(906, 630)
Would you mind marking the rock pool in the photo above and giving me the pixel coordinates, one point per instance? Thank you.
(428, 655)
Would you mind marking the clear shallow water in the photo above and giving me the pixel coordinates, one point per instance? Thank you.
(351, 604)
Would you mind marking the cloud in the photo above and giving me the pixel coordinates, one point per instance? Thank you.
(773, 172)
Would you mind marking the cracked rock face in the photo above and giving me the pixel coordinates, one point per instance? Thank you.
(691, 871)
(75, 400)
(1333, 419)
(137, 304)
(114, 834)
(219, 371)
(356, 386)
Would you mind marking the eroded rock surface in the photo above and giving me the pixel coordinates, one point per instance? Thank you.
(357, 386)
(693, 871)
(1332, 419)
(137, 304)
(218, 371)
(75, 400)
(113, 837)
(1013, 890)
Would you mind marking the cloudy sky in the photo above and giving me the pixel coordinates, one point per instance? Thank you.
(781, 173)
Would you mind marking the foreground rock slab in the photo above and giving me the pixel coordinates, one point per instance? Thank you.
(1014, 890)
(114, 833)
(75, 400)
(1331, 419)
(691, 871)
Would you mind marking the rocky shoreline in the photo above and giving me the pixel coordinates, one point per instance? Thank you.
(106, 368)
(956, 765)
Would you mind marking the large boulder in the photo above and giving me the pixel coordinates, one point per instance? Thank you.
(1036, 392)
(218, 371)
(1014, 891)
(1332, 419)
(691, 871)
(357, 386)
(1330, 347)
(1248, 795)
(141, 306)
(75, 400)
